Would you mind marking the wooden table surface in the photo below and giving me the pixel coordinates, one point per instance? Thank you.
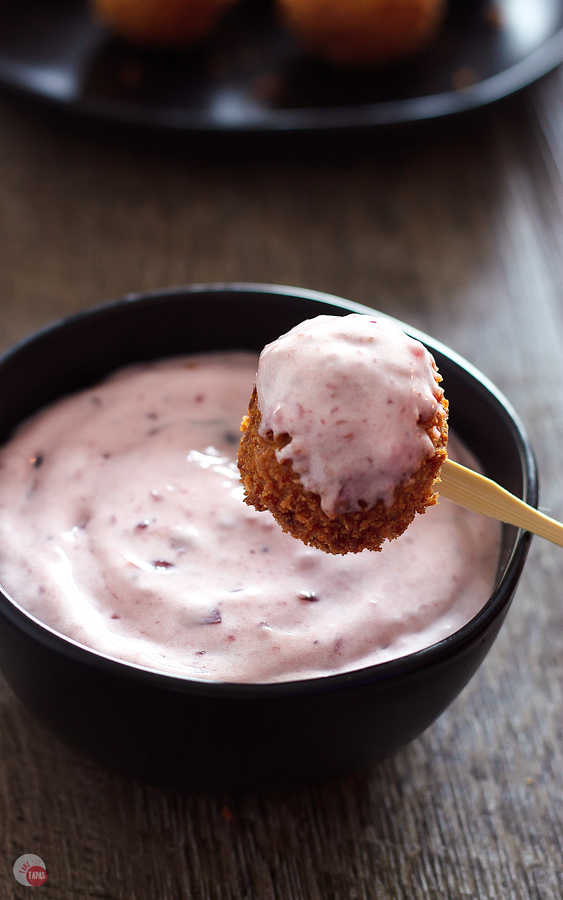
(456, 228)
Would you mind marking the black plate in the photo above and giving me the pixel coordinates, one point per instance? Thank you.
(250, 76)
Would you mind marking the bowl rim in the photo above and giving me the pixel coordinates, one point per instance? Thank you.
(395, 669)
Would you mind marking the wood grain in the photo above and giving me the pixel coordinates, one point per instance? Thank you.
(455, 228)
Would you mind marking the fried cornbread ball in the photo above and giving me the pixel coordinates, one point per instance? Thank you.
(363, 32)
(160, 22)
(358, 413)
(272, 485)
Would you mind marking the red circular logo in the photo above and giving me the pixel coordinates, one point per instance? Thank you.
(36, 875)
(30, 870)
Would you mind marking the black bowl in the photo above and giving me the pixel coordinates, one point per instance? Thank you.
(179, 731)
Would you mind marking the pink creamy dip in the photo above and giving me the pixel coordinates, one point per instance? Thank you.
(352, 391)
(123, 526)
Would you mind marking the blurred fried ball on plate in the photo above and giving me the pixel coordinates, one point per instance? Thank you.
(363, 32)
(160, 22)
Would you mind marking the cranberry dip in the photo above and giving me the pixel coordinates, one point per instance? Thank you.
(123, 527)
(353, 392)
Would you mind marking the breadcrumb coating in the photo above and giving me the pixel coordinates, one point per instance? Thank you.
(363, 32)
(272, 485)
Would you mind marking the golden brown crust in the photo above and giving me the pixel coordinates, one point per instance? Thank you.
(160, 22)
(363, 33)
(272, 485)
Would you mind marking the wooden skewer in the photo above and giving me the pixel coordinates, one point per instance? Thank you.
(474, 491)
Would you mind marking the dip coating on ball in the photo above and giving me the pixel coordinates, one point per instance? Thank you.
(346, 432)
